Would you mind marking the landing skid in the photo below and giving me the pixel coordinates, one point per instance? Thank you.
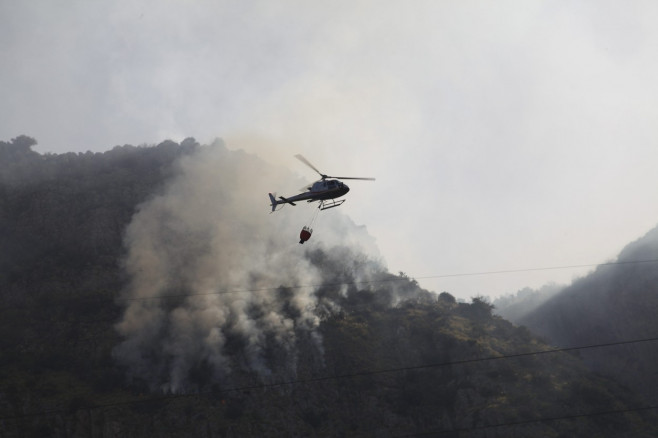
(330, 203)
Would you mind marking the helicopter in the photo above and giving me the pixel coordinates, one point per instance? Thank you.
(325, 190)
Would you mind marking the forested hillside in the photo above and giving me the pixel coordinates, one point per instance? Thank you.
(146, 291)
(617, 302)
(514, 307)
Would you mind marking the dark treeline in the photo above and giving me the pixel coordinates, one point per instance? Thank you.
(62, 218)
(62, 233)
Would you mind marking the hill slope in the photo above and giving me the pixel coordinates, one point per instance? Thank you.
(617, 302)
(141, 297)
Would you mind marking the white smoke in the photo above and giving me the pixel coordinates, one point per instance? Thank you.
(205, 260)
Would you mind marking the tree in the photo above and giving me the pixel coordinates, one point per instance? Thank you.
(23, 142)
(481, 308)
(445, 297)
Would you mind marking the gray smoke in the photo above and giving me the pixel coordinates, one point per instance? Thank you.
(205, 260)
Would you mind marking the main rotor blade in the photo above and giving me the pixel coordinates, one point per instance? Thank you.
(308, 163)
(352, 177)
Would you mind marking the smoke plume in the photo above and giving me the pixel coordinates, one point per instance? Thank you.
(215, 280)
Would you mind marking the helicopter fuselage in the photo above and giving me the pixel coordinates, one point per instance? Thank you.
(320, 191)
(328, 189)
(324, 191)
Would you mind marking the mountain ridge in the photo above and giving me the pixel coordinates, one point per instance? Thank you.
(616, 302)
(120, 317)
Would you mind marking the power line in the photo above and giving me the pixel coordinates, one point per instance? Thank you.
(316, 286)
(389, 280)
(342, 376)
(548, 268)
(393, 370)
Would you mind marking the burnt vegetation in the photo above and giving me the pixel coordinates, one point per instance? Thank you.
(395, 359)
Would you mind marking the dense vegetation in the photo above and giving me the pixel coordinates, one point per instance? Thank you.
(616, 303)
(394, 360)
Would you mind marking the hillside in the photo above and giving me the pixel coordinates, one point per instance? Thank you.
(617, 302)
(515, 307)
(146, 291)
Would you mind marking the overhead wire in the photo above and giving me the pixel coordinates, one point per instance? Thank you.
(391, 279)
(364, 373)
(388, 280)
(548, 268)
(394, 279)
(370, 372)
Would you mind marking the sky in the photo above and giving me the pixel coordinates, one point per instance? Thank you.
(507, 135)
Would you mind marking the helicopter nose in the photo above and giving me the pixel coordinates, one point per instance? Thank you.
(347, 189)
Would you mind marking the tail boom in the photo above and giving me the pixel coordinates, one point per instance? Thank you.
(274, 202)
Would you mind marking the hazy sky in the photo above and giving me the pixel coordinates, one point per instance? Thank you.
(503, 135)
